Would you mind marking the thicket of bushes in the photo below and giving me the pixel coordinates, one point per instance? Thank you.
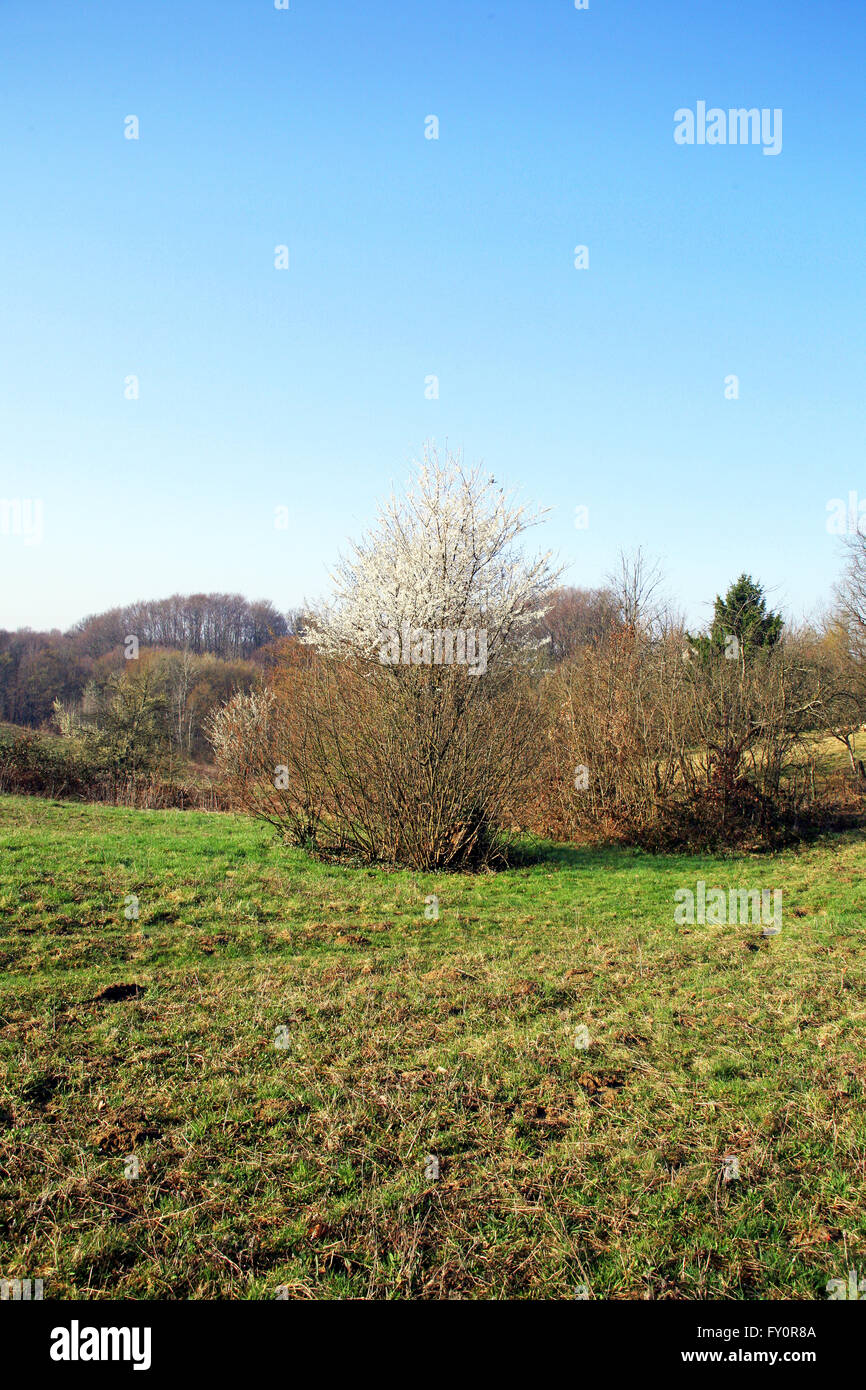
(38, 764)
(647, 747)
(639, 732)
(624, 741)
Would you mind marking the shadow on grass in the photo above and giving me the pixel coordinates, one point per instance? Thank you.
(529, 854)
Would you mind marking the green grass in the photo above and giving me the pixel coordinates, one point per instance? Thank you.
(263, 1167)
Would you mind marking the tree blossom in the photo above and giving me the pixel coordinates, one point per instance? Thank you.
(443, 555)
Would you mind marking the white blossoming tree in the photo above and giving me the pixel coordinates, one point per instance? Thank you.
(410, 730)
(443, 555)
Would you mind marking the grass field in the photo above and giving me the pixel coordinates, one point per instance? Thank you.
(301, 1168)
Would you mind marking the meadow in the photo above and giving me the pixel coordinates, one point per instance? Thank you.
(237, 1092)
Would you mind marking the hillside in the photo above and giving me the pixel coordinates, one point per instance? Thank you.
(302, 1039)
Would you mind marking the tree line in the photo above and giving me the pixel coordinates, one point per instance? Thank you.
(37, 668)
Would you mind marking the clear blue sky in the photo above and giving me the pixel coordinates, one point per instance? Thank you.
(412, 257)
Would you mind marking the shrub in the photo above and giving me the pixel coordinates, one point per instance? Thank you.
(44, 765)
(650, 748)
(386, 742)
(413, 766)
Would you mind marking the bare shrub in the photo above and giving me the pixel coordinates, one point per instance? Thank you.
(413, 765)
(656, 741)
(743, 725)
(612, 738)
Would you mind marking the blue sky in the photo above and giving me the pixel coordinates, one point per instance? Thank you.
(409, 258)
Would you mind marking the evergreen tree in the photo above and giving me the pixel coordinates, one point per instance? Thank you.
(742, 623)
